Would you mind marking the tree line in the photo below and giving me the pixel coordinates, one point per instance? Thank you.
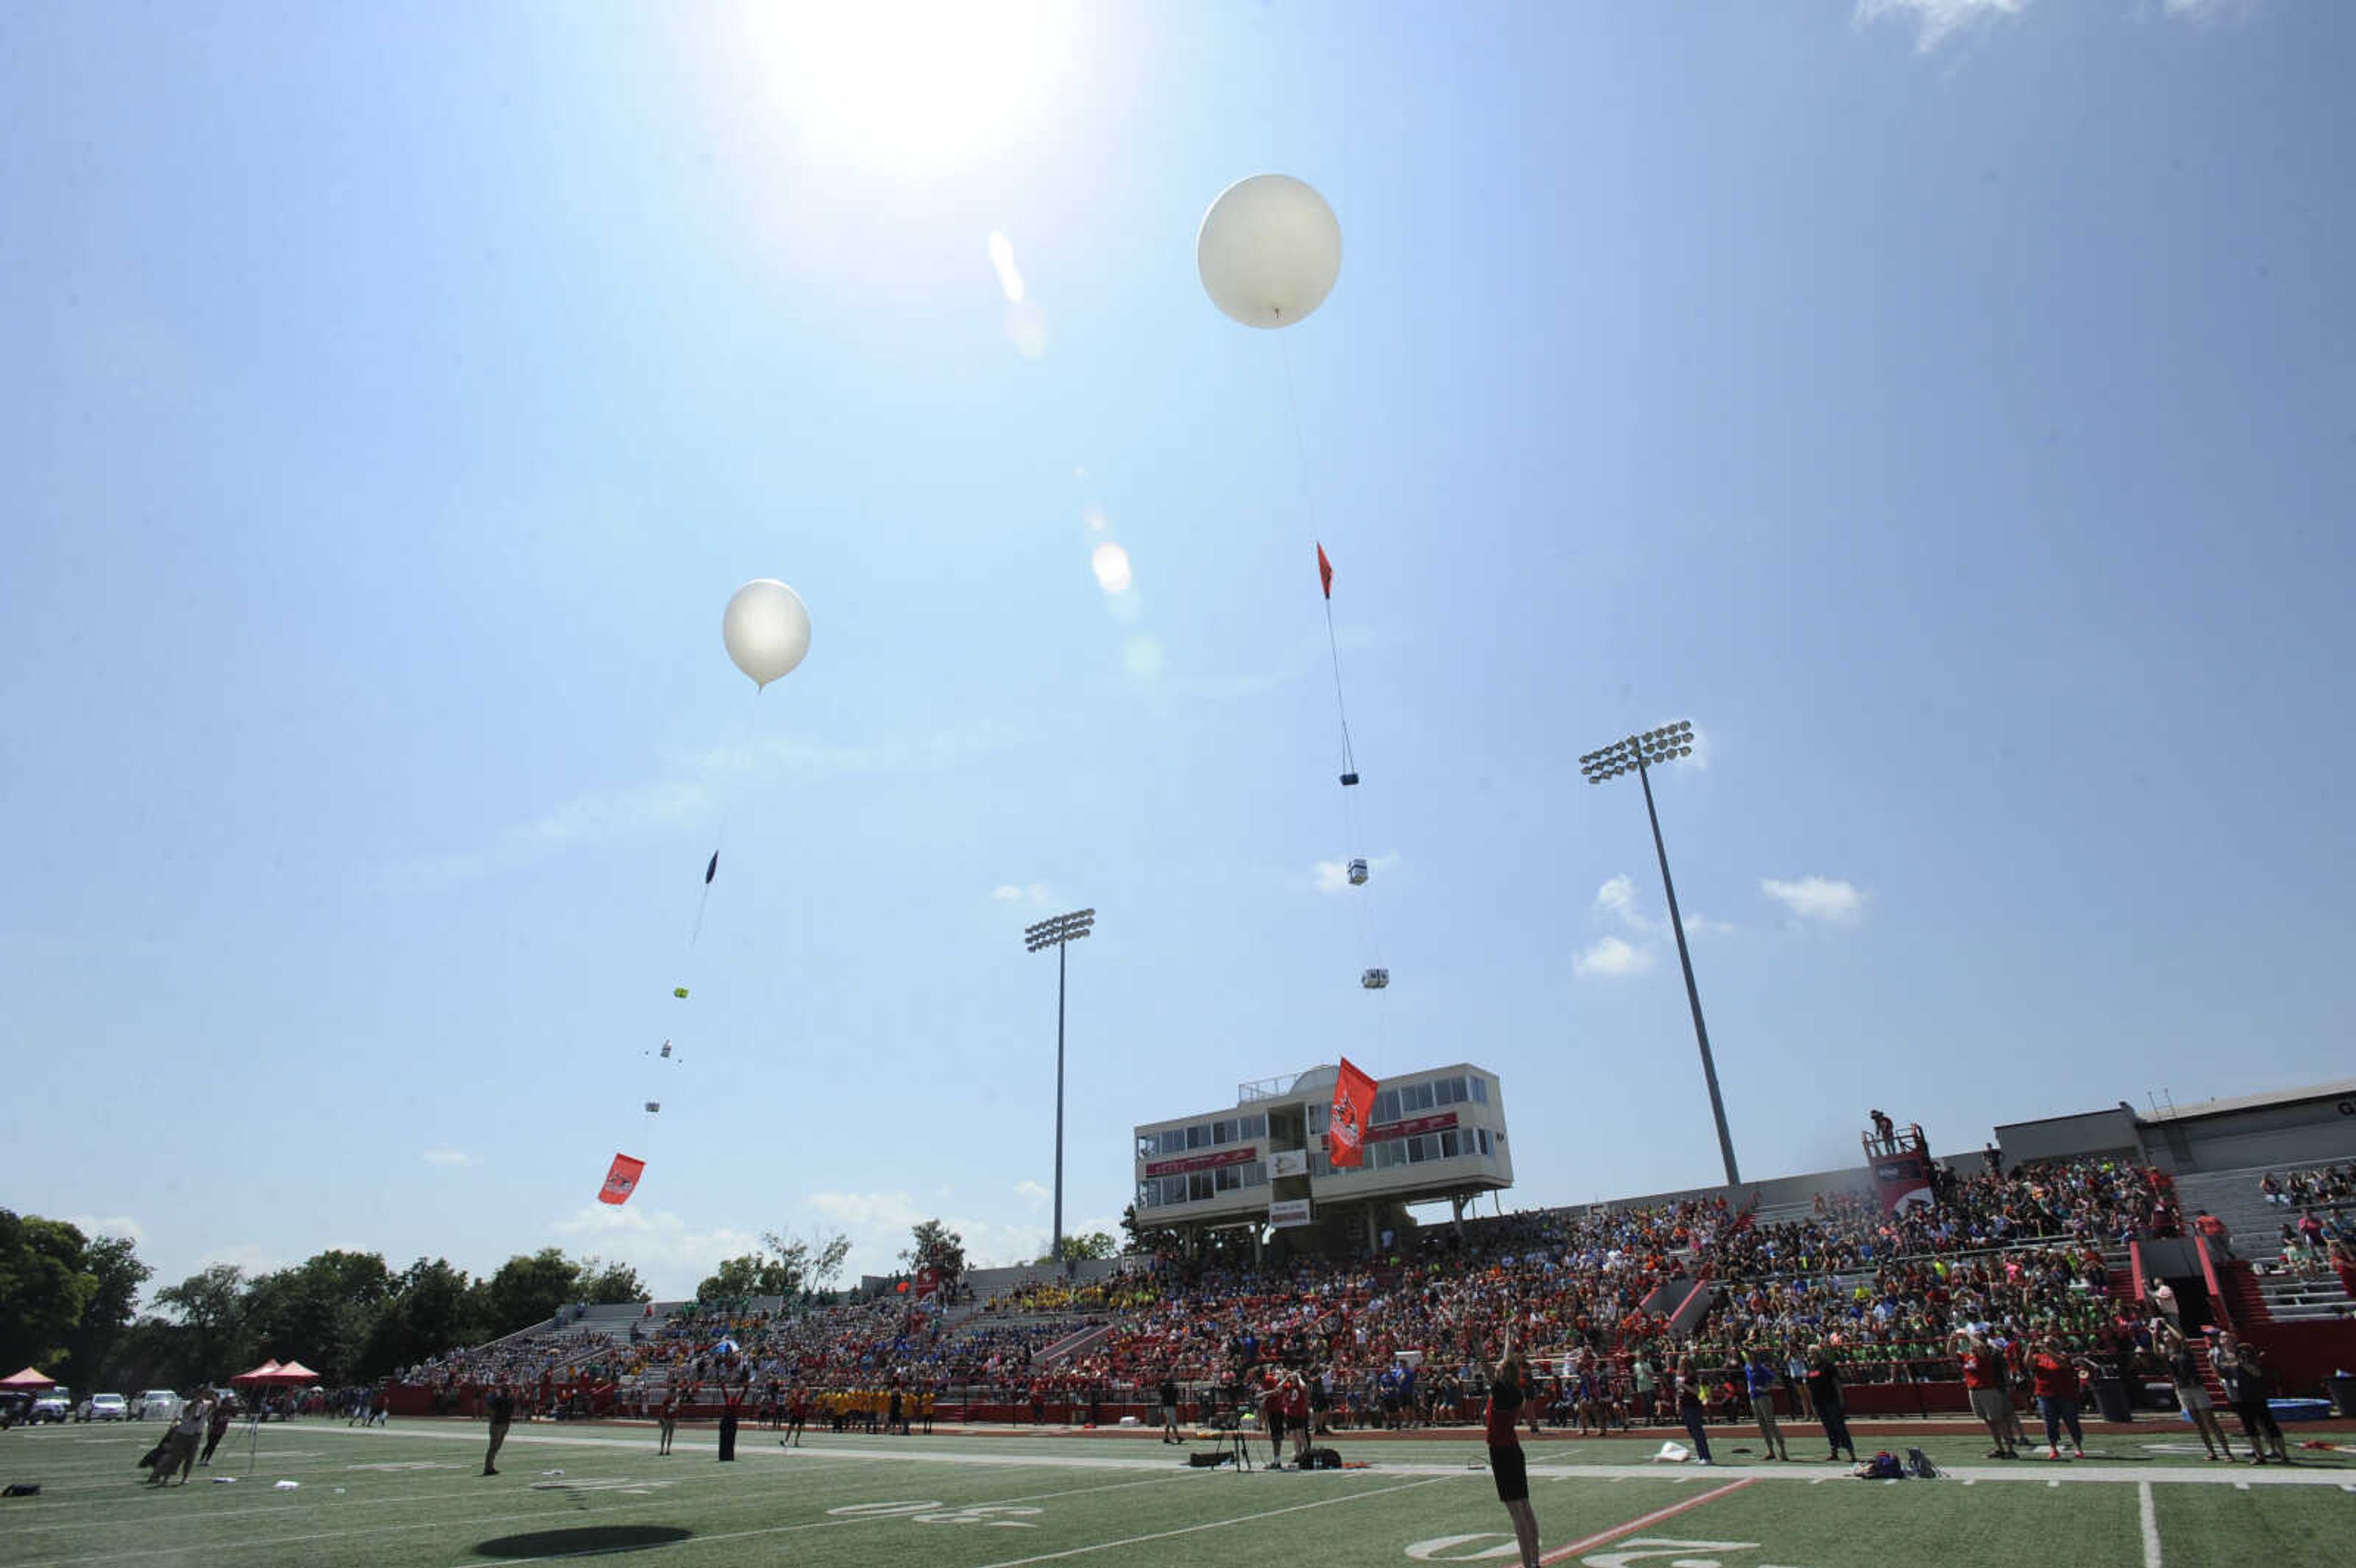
(69, 1303)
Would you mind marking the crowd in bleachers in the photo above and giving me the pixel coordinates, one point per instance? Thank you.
(536, 1360)
(2083, 1201)
(1400, 1340)
(2329, 1186)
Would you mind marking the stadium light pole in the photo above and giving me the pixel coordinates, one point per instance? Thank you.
(1059, 932)
(1637, 754)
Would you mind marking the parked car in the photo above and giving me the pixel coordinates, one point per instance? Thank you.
(54, 1405)
(106, 1407)
(156, 1404)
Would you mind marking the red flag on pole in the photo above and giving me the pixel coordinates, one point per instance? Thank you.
(1324, 571)
(621, 1179)
(1353, 1106)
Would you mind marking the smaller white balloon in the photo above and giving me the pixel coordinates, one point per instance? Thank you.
(1269, 251)
(766, 628)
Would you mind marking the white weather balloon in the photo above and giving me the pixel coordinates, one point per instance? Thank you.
(766, 628)
(1269, 251)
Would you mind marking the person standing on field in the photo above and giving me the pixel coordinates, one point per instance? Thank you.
(1984, 1386)
(1760, 1376)
(1506, 1380)
(501, 1409)
(1825, 1394)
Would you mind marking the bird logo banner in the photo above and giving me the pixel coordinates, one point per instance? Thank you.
(621, 1179)
(1354, 1105)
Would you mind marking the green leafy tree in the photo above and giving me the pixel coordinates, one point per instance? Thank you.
(432, 1307)
(1162, 1240)
(45, 1284)
(934, 1245)
(320, 1311)
(208, 1309)
(114, 1263)
(738, 1278)
(1095, 1244)
(604, 1283)
(811, 1263)
(526, 1290)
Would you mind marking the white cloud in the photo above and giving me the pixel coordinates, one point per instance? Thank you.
(1036, 893)
(1334, 876)
(1936, 21)
(446, 1156)
(1616, 901)
(1618, 897)
(1033, 1191)
(878, 1224)
(1612, 957)
(670, 1255)
(122, 1225)
(1821, 899)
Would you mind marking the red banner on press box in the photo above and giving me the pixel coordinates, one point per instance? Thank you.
(1346, 1129)
(621, 1179)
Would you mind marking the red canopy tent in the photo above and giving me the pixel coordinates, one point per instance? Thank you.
(29, 1381)
(260, 1375)
(270, 1374)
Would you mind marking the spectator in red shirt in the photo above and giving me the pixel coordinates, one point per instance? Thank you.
(1984, 1383)
(2053, 1378)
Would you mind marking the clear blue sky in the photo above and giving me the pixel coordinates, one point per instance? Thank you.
(1947, 406)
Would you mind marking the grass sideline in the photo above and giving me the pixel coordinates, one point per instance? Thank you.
(412, 1495)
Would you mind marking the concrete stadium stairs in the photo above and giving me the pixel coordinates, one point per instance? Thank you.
(2233, 1196)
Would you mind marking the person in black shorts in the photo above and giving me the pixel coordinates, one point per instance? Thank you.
(1506, 1381)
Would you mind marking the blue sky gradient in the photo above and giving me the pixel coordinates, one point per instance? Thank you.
(1947, 406)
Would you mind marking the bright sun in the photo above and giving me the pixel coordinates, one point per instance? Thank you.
(911, 87)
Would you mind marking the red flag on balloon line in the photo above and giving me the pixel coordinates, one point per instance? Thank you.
(621, 1179)
(1353, 1106)
(1326, 571)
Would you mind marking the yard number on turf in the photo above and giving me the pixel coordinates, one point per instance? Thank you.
(1658, 1550)
(1003, 1516)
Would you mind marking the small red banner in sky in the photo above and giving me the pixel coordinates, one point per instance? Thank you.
(621, 1179)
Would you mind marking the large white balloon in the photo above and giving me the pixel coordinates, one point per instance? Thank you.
(766, 628)
(1269, 251)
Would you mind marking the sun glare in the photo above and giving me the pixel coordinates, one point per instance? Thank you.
(912, 87)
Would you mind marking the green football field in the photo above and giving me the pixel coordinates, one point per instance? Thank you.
(414, 1495)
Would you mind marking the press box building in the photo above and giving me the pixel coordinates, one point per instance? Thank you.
(1438, 1135)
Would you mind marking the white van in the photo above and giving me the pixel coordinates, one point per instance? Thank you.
(156, 1404)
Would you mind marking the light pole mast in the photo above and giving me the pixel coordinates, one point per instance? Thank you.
(1059, 932)
(1637, 754)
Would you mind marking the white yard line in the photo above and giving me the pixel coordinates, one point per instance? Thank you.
(2149, 1514)
(1589, 1543)
(542, 1518)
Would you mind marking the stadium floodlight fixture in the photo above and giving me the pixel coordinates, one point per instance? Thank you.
(1639, 755)
(1058, 929)
(1059, 932)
